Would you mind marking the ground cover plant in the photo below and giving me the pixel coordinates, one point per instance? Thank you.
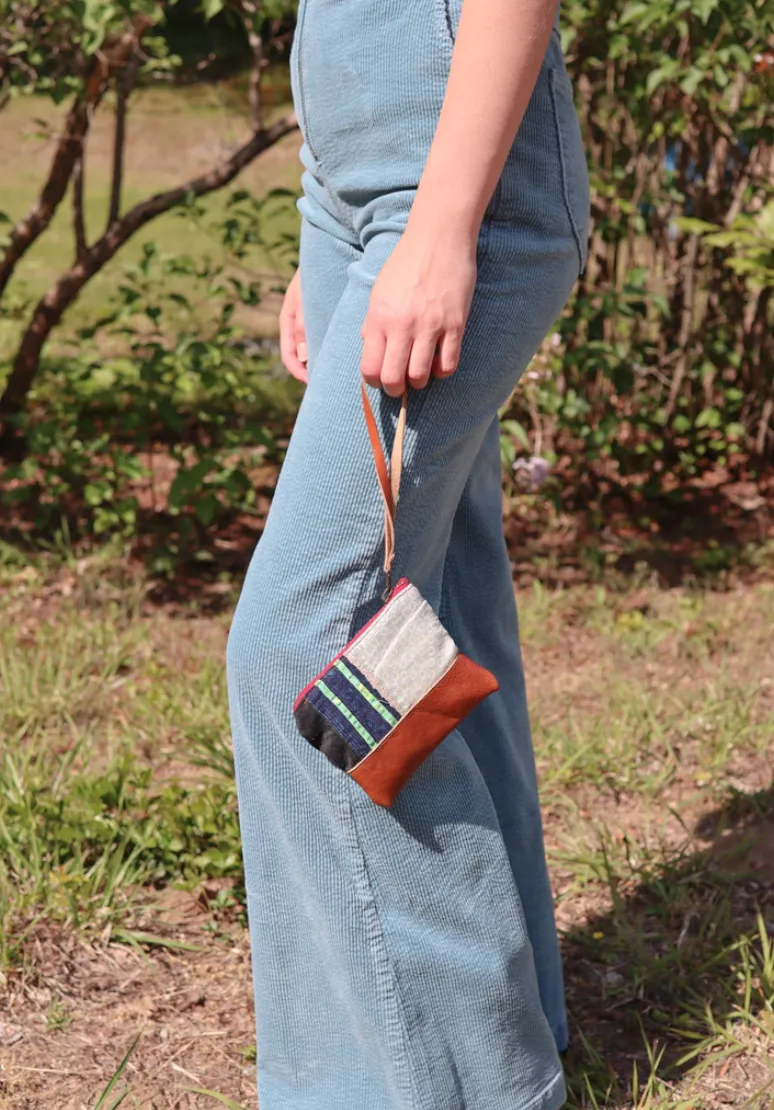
(121, 905)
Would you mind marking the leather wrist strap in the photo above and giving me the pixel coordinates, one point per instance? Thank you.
(389, 478)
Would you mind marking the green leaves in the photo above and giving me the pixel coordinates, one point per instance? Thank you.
(513, 436)
(749, 242)
(97, 18)
(667, 363)
(703, 9)
(211, 8)
(661, 75)
(48, 47)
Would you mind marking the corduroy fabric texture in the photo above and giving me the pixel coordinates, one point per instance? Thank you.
(404, 959)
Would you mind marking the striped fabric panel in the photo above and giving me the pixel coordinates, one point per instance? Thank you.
(327, 709)
(358, 715)
(373, 696)
(346, 712)
(350, 701)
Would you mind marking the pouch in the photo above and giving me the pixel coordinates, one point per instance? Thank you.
(401, 685)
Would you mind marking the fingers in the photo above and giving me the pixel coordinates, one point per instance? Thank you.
(374, 345)
(421, 360)
(385, 358)
(447, 357)
(395, 362)
(299, 331)
(293, 347)
(396, 356)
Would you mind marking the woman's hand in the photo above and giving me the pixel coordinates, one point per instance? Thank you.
(292, 333)
(418, 309)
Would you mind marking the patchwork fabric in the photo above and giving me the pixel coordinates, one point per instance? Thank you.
(390, 697)
(347, 703)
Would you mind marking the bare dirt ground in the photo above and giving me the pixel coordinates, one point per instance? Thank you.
(192, 1012)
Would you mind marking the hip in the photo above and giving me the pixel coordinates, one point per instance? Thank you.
(369, 78)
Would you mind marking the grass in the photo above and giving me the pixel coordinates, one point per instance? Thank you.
(654, 720)
(93, 717)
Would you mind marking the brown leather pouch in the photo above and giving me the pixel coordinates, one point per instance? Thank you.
(401, 685)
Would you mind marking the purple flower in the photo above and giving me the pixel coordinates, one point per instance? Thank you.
(532, 472)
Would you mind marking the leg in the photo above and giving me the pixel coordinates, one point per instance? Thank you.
(478, 609)
(393, 965)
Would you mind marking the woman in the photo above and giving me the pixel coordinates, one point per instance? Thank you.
(407, 959)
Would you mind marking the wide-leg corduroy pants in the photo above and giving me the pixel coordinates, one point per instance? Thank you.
(404, 959)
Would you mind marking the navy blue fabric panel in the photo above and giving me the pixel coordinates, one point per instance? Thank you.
(372, 720)
(370, 686)
(318, 699)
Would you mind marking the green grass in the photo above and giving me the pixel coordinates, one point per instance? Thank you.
(92, 706)
(654, 720)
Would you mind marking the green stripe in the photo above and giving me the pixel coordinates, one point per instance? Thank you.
(365, 693)
(346, 713)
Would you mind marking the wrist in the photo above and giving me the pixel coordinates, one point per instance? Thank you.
(440, 222)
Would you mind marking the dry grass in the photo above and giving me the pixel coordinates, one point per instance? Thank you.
(654, 725)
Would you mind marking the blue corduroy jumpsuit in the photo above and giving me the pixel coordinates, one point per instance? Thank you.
(404, 959)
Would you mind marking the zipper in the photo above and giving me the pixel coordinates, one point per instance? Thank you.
(301, 87)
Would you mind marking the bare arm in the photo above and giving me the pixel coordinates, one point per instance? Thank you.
(421, 299)
(499, 51)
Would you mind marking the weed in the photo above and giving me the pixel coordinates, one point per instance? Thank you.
(58, 1017)
(120, 1095)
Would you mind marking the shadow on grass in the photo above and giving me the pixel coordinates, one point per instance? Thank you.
(683, 938)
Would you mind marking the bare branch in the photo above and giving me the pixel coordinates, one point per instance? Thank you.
(763, 426)
(66, 289)
(66, 155)
(103, 66)
(686, 322)
(745, 177)
(124, 85)
(79, 223)
(250, 17)
(215, 178)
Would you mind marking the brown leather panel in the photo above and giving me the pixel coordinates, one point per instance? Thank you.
(387, 768)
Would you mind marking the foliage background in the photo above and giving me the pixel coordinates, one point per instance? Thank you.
(660, 371)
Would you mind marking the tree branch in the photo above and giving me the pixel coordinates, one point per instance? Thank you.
(124, 85)
(79, 223)
(686, 322)
(250, 17)
(66, 289)
(69, 147)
